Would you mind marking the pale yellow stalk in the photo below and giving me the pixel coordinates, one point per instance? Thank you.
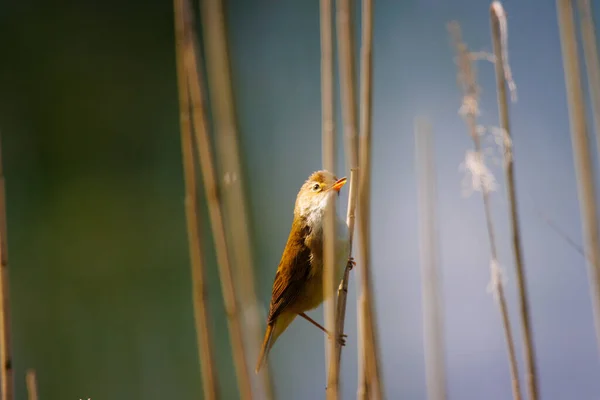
(6, 369)
(366, 301)
(349, 115)
(431, 274)
(31, 382)
(201, 318)
(329, 163)
(498, 24)
(581, 154)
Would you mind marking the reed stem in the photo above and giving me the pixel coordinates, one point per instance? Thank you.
(203, 336)
(31, 382)
(592, 62)
(329, 163)
(581, 154)
(470, 89)
(366, 303)
(6, 369)
(235, 225)
(499, 35)
(433, 316)
(346, 69)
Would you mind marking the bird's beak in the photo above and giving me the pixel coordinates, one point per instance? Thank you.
(338, 184)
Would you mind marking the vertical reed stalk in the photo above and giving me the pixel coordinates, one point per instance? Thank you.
(592, 63)
(329, 163)
(31, 382)
(222, 100)
(499, 36)
(234, 317)
(362, 391)
(366, 304)
(203, 337)
(581, 154)
(346, 68)
(6, 374)
(470, 89)
(433, 317)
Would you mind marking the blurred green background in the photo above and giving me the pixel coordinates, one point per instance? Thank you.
(97, 244)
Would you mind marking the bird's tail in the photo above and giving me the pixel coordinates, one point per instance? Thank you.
(264, 351)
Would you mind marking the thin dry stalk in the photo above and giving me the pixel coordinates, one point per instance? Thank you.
(366, 304)
(203, 337)
(592, 62)
(362, 391)
(6, 374)
(346, 69)
(31, 382)
(329, 162)
(470, 89)
(581, 154)
(203, 144)
(431, 280)
(498, 24)
(222, 100)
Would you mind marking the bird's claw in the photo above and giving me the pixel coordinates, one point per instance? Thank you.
(351, 263)
(341, 340)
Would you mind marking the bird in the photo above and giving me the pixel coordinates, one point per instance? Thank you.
(298, 283)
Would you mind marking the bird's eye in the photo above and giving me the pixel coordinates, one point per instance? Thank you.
(316, 187)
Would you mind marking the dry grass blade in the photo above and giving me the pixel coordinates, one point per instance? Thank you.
(581, 154)
(6, 374)
(346, 67)
(366, 306)
(207, 366)
(222, 101)
(499, 34)
(469, 110)
(433, 317)
(31, 382)
(329, 162)
(592, 62)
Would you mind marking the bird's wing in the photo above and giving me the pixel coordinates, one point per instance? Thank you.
(291, 276)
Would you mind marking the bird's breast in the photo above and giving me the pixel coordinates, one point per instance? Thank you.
(341, 250)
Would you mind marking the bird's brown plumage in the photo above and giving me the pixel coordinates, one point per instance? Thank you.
(298, 282)
(292, 273)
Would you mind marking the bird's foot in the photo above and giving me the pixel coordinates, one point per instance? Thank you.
(351, 263)
(341, 340)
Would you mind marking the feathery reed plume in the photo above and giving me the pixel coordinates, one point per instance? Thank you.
(433, 316)
(581, 154)
(499, 39)
(366, 301)
(203, 336)
(6, 374)
(592, 63)
(222, 99)
(329, 163)
(31, 382)
(469, 111)
(346, 68)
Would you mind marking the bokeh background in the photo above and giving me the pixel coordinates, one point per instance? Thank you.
(98, 253)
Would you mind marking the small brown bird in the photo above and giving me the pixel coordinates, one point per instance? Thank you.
(298, 285)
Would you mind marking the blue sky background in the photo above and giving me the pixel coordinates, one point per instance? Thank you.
(97, 241)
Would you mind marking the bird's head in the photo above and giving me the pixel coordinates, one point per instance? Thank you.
(314, 194)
